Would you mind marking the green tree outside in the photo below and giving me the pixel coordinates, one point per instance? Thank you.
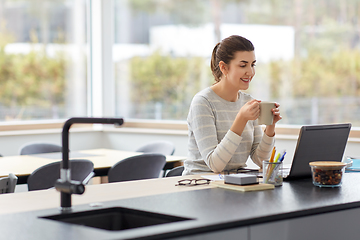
(166, 80)
(33, 79)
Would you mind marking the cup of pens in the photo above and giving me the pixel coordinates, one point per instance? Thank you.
(273, 169)
(273, 173)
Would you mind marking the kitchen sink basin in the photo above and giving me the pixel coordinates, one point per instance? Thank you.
(116, 218)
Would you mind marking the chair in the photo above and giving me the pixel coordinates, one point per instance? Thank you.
(144, 166)
(163, 147)
(176, 171)
(45, 176)
(35, 148)
(8, 184)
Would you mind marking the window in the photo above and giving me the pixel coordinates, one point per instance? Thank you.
(308, 57)
(307, 51)
(42, 59)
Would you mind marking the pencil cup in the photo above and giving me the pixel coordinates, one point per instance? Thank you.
(273, 173)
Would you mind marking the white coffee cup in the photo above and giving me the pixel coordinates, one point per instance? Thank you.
(266, 116)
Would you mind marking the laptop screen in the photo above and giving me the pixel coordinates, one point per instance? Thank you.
(318, 143)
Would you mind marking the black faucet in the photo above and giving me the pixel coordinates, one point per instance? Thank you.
(65, 185)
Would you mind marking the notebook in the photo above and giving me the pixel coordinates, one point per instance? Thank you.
(355, 164)
(316, 143)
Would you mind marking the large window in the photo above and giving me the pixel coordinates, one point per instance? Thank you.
(308, 55)
(42, 59)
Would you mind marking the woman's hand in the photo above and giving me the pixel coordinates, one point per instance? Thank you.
(276, 112)
(250, 111)
(270, 129)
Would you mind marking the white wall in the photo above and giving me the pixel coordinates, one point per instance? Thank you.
(10, 144)
(132, 141)
(175, 40)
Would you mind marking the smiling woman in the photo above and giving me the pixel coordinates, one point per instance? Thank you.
(222, 120)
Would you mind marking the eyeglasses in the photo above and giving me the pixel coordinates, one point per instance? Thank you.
(193, 182)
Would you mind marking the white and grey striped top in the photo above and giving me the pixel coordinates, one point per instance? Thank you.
(212, 146)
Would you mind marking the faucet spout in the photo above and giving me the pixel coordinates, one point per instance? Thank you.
(65, 185)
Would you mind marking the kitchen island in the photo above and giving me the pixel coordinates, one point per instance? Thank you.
(297, 210)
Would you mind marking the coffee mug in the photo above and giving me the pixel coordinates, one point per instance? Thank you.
(266, 116)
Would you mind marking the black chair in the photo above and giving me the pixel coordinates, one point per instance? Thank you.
(176, 171)
(45, 176)
(144, 166)
(162, 147)
(8, 184)
(36, 148)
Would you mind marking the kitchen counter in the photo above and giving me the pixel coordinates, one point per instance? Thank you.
(297, 210)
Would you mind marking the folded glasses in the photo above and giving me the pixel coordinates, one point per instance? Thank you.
(193, 182)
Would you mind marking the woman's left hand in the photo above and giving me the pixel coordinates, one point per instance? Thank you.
(270, 129)
(276, 112)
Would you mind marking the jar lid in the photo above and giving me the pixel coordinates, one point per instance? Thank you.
(327, 164)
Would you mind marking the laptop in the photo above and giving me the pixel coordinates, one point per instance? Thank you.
(316, 143)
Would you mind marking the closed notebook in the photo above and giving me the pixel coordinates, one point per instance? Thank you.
(355, 167)
(244, 188)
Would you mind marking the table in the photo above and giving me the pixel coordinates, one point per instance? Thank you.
(23, 165)
(29, 201)
(297, 210)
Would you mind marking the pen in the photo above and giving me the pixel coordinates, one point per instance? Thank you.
(282, 157)
(272, 154)
(277, 157)
(271, 160)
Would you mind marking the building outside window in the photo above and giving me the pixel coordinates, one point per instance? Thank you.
(308, 56)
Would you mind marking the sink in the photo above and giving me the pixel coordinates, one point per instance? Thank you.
(115, 219)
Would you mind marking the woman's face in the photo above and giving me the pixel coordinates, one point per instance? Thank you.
(241, 70)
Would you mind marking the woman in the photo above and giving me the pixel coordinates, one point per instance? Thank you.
(222, 120)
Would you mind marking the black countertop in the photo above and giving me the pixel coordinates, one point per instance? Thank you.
(212, 209)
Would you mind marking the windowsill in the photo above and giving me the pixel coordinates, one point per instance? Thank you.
(36, 125)
(40, 127)
(166, 127)
(46, 131)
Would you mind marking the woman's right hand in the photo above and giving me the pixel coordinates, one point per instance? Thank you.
(250, 111)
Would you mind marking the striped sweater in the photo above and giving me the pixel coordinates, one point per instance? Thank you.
(212, 146)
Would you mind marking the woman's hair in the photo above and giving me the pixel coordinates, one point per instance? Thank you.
(225, 51)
